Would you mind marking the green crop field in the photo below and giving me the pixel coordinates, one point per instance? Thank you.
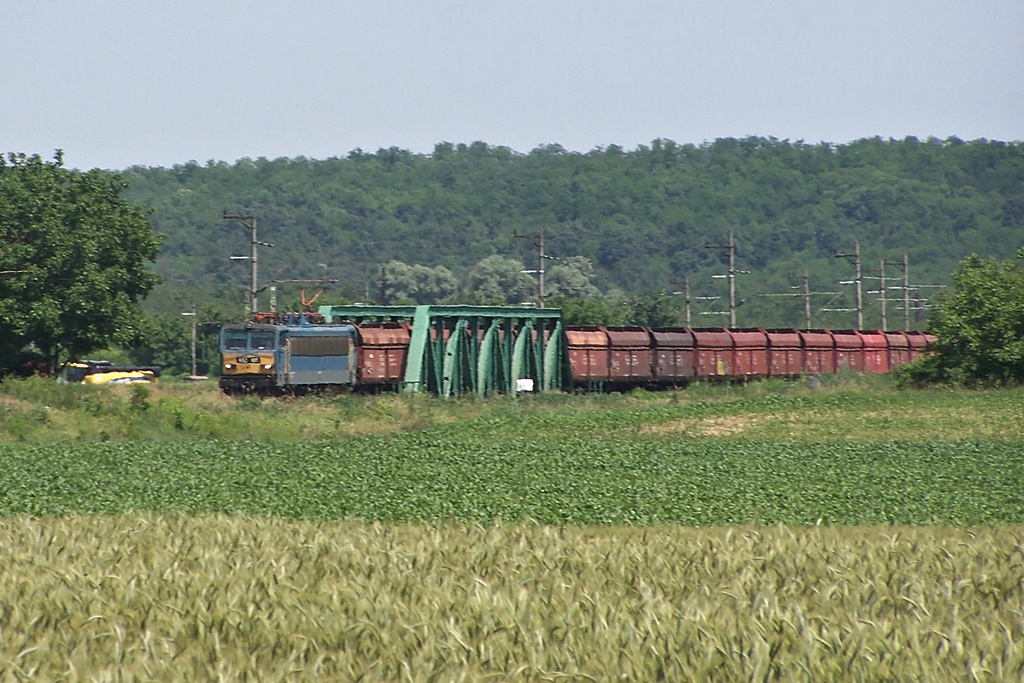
(469, 475)
(760, 532)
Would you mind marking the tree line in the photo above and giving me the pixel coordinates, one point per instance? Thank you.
(640, 217)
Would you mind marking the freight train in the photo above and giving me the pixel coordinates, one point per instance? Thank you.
(456, 350)
(639, 356)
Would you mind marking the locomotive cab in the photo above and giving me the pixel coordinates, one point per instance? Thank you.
(248, 358)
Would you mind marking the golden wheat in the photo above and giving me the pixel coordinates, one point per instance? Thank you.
(183, 598)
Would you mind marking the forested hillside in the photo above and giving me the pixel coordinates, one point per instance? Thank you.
(643, 218)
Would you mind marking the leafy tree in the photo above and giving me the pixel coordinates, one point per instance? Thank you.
(571, 277)
(979, 326)
(593, 311)
(420, 284)
(74, 255)
(500, 280)
(651, 310)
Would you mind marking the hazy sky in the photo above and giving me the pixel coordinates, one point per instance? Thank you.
(159, 83)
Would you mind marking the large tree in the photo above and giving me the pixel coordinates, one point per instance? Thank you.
(979, 326)
(498, 280)
(73, 261)
(420, 284)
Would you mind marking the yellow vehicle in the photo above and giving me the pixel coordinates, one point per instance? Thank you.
(105, 372)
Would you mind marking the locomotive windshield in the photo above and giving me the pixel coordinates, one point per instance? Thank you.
(235, 340)
(248, 340)
(261, 341)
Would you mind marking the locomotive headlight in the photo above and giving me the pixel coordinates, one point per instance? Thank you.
(266, 367)
(228, 366)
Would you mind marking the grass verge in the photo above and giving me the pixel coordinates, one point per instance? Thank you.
(845, 408)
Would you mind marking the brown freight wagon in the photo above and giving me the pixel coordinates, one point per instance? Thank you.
(918, 343)
(380, 355)
(629, 354)
(673, 355)
(849, 350)
(819, 352)
(749, 353)
(875, 351)
(785, 353)
(588, 353)
(712, 352)
(899, 349)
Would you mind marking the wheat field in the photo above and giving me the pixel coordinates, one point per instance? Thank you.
(174, 598)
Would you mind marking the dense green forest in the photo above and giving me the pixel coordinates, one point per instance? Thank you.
(627, 225)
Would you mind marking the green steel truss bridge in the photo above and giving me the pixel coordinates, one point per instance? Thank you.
(482, 350)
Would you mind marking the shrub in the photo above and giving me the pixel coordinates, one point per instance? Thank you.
(979, 326)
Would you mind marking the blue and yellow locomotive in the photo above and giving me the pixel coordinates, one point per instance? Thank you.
(291, 356)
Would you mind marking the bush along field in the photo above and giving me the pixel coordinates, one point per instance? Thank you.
(769, 531)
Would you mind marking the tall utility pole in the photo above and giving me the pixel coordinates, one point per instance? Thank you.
(541, 257)
(807, 300)
(854, 258)
(881, 289)
(686, 295)
(383, 286)
(686, 298)
(731, 246)
(193, 314)
(540, 270)
(906, 294)
(906, 290)
(249, 223)
(805, 294)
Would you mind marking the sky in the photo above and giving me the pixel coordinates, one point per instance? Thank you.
(117, 84)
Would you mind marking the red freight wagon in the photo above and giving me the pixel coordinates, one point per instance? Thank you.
(899, 349)
(712, 355)
(673, 355)
(876, 351)
(849, 350)
(380, 357)
(749, 353)
(785, 355)
(629, 352)
(918, 343)
(819, 351)
(588, 352)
